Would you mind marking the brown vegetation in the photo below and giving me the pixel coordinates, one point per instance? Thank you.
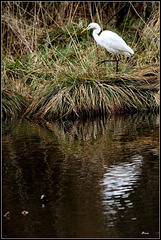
(47, 61)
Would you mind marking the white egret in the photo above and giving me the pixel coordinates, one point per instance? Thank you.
(111, 41)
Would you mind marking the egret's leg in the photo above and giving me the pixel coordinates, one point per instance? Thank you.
(117, 63)
(111, 60)
(99, 63)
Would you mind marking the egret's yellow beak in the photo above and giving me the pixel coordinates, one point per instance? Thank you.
(85, 30)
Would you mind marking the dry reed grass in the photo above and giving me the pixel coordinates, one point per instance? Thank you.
(46, 59)
(13, 104)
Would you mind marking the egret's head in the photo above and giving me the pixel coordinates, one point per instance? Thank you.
(91, 26)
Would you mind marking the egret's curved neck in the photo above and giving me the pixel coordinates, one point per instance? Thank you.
(95, 34)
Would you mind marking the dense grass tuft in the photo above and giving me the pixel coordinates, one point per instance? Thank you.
(13, 104)
(89, 98)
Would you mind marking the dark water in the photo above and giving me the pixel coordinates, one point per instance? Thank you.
(101, 177)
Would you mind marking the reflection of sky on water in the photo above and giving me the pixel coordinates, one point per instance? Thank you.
(118, 182)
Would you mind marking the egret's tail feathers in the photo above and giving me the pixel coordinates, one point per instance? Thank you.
(130, 51)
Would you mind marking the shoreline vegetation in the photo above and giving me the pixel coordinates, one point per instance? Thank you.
(49, 68)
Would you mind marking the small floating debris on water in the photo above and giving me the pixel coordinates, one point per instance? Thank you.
(25, 213)
(7, 215)
(44, 200)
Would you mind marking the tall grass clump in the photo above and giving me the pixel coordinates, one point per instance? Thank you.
(13, 104)
(52, 65)
(83, 97)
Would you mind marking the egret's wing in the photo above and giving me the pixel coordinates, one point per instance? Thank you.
(114, 43)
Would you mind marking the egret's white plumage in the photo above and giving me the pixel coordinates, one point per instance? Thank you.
(110, 40)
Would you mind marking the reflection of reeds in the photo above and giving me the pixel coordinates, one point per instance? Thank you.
(102, 140)
(120, 127)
